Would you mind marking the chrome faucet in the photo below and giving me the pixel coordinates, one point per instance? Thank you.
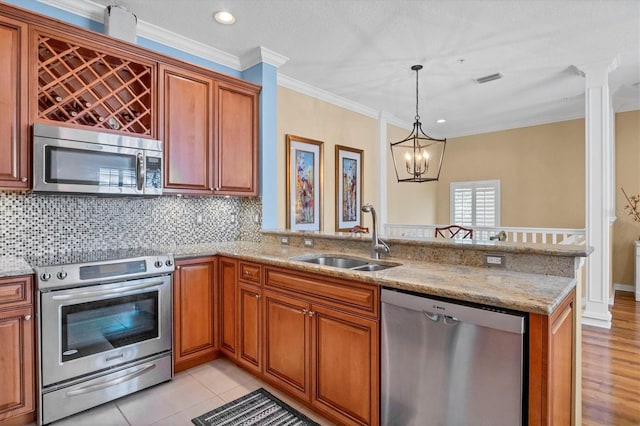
(377, 245)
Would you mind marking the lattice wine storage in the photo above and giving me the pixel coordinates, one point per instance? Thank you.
(78, 85)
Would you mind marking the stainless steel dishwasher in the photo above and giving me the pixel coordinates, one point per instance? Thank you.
(450, 364)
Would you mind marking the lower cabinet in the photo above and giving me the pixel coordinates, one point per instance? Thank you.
(17, 351)
(322, 354)
(228, 281)
(194, 312)
(551, 357)
(249, 327)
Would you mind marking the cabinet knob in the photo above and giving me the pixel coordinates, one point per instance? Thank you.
(27, 317)
(24, 179)
(304, 312)
(257, 296)
(211, 188)
(178, 267)
(217, 189)
(311, 313)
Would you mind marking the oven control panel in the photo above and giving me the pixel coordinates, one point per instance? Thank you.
(72, 275)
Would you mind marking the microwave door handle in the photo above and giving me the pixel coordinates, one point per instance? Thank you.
(112, 291)
(140, 171)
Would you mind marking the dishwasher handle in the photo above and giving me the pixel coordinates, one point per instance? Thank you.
(453, 312)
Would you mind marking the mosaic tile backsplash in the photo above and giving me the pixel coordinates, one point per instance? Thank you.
(37, 224)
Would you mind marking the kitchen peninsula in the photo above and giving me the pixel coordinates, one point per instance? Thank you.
(257, 284)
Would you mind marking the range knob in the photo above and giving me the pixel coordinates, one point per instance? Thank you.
(168, 262)
(45, 277)
(158, 264)
(62, 275)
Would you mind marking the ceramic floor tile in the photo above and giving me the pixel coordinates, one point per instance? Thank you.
(167, 399)
(184, 417)
(220, 380)
(106, 414)
(243, 389)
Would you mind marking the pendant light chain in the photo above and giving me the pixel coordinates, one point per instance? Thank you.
(417, 115)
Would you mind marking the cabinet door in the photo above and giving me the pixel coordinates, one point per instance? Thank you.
(236, 141)
(561, 365)
(14, 142)
(186, 100)
(250, 326)
(194, 311)
(17, 357)
(345, 358)
(287, 339)
(228, 306)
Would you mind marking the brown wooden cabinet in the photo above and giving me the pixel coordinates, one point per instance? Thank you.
(14, 121)
(250, 327)
(228, 277)
(320, 351)
(194, 312)
(187, 130)
(236, 147)
(17, 378)
(551, 351)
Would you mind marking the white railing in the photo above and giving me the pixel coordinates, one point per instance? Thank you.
(483, 233)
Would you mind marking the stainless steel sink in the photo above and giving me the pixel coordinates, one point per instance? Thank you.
(336, 262)
(346, 262)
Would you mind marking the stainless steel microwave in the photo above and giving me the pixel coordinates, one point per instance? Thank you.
(81, 161)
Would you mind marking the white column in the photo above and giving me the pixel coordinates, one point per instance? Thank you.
(383, 150)
(598, 187)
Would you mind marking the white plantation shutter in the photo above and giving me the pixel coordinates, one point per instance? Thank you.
(475, 203)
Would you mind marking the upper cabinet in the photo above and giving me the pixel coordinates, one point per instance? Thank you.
(14, 122)
(186, 100)
(237, 140)
(89, 85)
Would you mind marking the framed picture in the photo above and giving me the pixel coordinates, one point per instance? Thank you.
(349, 179)
(304, 183)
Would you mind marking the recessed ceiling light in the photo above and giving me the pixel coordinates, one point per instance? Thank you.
(224, 17)
(441, 120)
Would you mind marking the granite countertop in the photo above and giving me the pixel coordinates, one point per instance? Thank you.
(534, 293)
(525, 292)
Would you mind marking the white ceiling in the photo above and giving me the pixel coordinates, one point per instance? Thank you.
(362, 50)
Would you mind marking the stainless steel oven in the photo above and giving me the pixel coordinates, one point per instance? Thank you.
(104, 330)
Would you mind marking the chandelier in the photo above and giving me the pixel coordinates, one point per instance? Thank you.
(418, 157)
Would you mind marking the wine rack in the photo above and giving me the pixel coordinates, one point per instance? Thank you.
(79, 85)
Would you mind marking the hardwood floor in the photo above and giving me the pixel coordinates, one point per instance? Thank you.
(611, 367)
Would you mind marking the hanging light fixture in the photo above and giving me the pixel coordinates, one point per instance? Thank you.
(418, 157)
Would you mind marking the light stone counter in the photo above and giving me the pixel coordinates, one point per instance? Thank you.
(11, 266)
(527, 292)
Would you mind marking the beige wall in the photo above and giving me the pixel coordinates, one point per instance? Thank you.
(540, 168)
(308, 117)
(408, 203)
(625, 230)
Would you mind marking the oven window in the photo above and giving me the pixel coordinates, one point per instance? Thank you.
(85, 167)
(99, 326)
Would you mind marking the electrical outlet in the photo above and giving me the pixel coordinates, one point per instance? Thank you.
(256, 218)
(495, 259)
(284, 241)
(199, 218)
(308, 242)
(234, 217)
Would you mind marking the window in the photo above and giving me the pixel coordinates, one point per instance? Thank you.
(475, 203)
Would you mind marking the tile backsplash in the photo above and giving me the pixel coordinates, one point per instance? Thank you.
(36, 224)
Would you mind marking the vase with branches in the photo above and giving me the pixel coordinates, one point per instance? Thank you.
(633, 206)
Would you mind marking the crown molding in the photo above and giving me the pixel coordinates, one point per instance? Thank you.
(323, 95)
(261, 54)
(95, 12)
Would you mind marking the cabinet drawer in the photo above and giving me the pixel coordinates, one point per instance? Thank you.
(250, 272)
(354, 296)
(15, 291)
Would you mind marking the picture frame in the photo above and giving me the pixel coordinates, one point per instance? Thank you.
(349, 187)
(304, 177)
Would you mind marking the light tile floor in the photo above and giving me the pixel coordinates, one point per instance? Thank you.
(190, 394)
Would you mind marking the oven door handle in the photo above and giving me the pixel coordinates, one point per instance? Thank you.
(117, 290)
(92, 388)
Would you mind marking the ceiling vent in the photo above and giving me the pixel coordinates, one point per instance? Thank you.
(488, 78)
